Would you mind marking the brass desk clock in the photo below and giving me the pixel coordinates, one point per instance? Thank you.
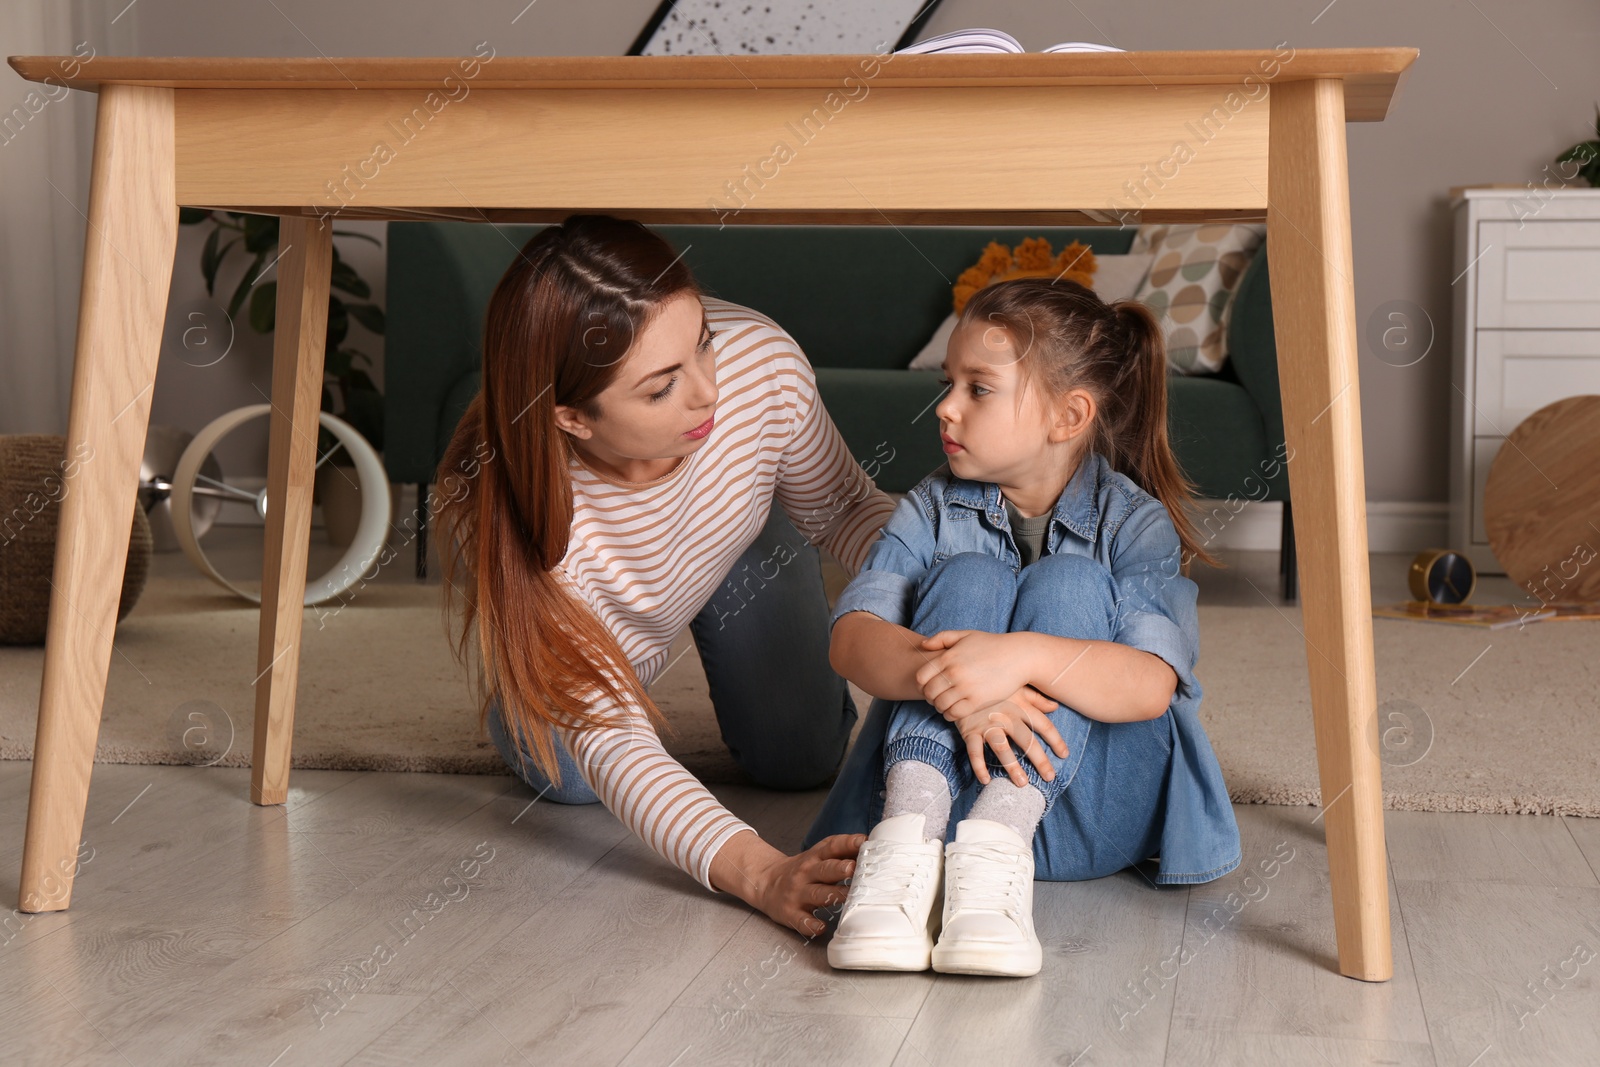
(1441, 576)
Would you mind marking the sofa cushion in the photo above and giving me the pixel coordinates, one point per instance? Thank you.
(1191, 286)
(887, 419)
(855, 296)
(1216, 431)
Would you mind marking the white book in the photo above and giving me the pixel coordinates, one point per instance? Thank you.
(980, 39)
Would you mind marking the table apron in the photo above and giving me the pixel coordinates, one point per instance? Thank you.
(874, 151)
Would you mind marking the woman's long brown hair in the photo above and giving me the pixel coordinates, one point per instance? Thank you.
(557, 326)
(1118, 353)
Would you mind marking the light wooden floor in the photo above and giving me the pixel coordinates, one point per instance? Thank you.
(339, 929)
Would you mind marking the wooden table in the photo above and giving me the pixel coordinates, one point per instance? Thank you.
(1076, 139)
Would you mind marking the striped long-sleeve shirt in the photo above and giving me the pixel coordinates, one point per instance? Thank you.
(647, 559)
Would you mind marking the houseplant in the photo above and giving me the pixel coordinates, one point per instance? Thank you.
(1586, 154)
(348, 391)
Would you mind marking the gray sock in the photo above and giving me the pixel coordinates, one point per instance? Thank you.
(914, 788)
(1004, 802)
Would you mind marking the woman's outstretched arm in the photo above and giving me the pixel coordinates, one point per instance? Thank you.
(788, 889)
(672, 812)
(831, 499)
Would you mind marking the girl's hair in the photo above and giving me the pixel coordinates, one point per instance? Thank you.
(1069, 338)
(556, 329)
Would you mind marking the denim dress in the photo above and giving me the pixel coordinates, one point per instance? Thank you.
(1104, 515)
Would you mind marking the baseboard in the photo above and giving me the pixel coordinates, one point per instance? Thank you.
(1392, 526)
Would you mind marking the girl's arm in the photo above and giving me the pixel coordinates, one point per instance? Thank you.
(1149, 661)
(1104, 680)
(1155, 646)
(880, 656)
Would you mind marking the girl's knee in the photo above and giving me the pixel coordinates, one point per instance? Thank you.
(966, 591)
(1068, 567)
(1068, 595)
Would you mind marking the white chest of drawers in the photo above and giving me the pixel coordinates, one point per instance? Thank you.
(1526, 311)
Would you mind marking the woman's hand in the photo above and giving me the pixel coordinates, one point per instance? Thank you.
(973, 670)
(1021, 718)
(787, 888)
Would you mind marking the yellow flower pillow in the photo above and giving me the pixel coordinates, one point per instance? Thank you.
(1031, 259)
(1113, 277)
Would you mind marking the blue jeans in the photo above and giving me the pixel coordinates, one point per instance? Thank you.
(1103, 809)
(785, 714)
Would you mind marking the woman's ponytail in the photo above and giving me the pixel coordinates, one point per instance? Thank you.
(505, 510)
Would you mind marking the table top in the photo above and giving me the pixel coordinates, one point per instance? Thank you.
(1371, 76)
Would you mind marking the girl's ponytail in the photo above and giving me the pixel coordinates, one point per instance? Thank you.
(1145, 451)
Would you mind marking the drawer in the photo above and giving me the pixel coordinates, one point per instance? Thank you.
(1520, 371)
(1541, 274)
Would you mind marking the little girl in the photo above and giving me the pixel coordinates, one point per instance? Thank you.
(1027, 625)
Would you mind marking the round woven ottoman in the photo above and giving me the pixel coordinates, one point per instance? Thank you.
(32, 487)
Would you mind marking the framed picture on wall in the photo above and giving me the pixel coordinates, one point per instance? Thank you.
(720, 27)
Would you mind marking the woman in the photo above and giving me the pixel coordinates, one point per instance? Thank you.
(622, 460)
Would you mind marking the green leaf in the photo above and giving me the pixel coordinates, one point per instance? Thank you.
(251, 273)
(260, 232)
(368, 315)
(338, 323)
(325, 438)
(364, 411)
(336, 363)
(357, 379)
(264, 307)
(346, 279)
(208, 261)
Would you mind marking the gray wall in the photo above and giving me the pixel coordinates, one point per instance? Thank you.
(1485, 102)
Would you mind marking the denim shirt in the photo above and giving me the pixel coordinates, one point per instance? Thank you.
(1103, 514)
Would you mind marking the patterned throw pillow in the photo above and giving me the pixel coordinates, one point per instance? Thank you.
(1191, 285)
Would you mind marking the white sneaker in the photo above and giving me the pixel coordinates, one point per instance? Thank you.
(886, 921)
(988, 903)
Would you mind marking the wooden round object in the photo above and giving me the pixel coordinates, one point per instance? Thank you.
(1541, 506)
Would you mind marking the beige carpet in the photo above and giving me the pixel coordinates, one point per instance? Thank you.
(1498, 721)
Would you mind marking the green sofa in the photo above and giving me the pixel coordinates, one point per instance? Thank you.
(861, 301)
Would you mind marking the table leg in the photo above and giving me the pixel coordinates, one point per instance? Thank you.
(299, 337)
(1313, 301)
(127, 270)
